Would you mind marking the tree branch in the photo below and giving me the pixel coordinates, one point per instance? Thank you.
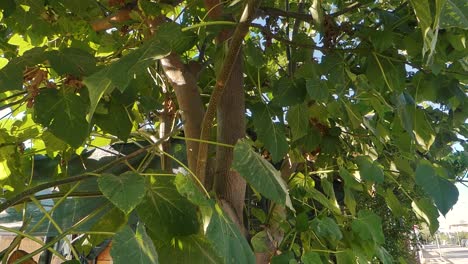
(236, 42)
(31, 191)
(189, 100)
(347, 9)
(266, 31)
(108, 22)
(288, 14)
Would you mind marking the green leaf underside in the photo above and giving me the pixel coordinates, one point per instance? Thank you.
(133, 247)
(443, 192)
(260, 174)
(368, 226)
(228, 240)
(167, 213)
(194, 249)
(370, 170)
(425, 210)
(222, 234)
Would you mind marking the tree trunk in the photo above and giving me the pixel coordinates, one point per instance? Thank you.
(228, 184)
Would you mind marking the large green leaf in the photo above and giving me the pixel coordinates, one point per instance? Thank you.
(227, 240)
(317, 89)
(425, 19)
(64, 114)
(178, 40)
(384, 256)
(368, 226)
(260, 242)
(349, 200)
(186, 187)
(327, 228)
(370, 170)
(260, 174)
(298, 120)
(125, 191)
(443, 192)
(133, 247)
(425, 210)
(269, 132)
(311, 258)
(167, 213)
(454, 14)
(286, 92)
(345, 257)
(394, 204)
(423, 132)
(193, 249)
(119, 74)
(224, 236)
(72, 61)
(322, 199)
(116, 121)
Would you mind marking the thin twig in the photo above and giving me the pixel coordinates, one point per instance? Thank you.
(21, 196)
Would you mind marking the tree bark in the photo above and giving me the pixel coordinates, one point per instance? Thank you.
(228, 184)
(189, 100)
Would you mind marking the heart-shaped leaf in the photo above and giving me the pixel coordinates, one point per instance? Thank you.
(125, 191)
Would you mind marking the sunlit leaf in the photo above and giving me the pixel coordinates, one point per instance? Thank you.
(454, 14)
(370, 170)
(426, 211)
(133, 247)
(194, 249)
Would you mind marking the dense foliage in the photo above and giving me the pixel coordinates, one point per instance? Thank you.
(138, 121)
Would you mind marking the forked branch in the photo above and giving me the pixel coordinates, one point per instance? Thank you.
(235, 46)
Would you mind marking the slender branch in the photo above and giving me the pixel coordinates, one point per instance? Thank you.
(109, 22)
(20, 233)
(23, 195)
(235, 46)
(288, 14)
(61, 236)
(268, 33)
(60, 194)
(13, 96)
(347, 9)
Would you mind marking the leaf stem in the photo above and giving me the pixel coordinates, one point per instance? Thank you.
(209, 23)
(59, 237)
(205, 141)
(54, 223)
(33, 238)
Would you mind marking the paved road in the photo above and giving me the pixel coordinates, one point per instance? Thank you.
(448, 254)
